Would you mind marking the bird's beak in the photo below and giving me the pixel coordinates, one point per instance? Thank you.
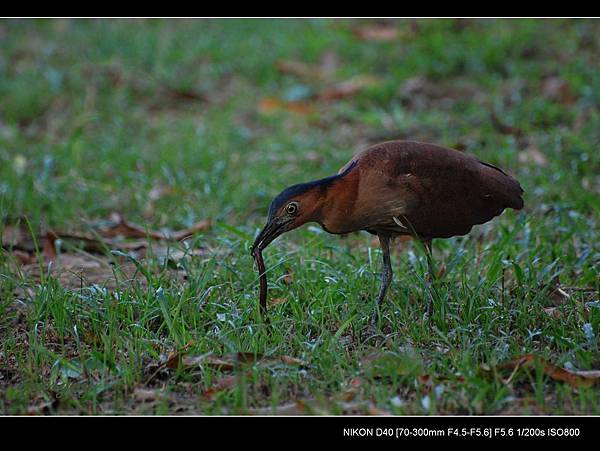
(272, 230)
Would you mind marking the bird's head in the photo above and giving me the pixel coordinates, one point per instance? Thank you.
(293, 207)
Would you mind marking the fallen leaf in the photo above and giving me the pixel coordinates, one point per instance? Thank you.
(49, 248)
(174, 357)
(209, 361)
(158, 191)
(147, 395)
(420, 92)
(272, 105)
(13, 235)
(288, 277)
(533, 155)
(311, 155)
(231, 361)
(292, 360)
(127, 229)
(17, 240)
(44, 408)
(300, 69)
(348, 88)
(441, 271)
(573, 378)
(328, 63)
(291, 408)
(504, 128)
(372, 410)
(25, 258)
(183, 94)
(553, 311)
(276, 301)
(557, 89)
(558, 295)
(81, 270)
(377, 32)
(224, 383)
(321, 72)
(582, 118)
(352, 391)
(425, 382)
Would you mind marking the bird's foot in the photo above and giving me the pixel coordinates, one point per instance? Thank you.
(429, 309)
(372, 332)
(371, 335)
(374, 318)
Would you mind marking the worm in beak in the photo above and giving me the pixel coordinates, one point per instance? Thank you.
(272, 230)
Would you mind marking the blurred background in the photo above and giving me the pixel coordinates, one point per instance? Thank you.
(172, 121)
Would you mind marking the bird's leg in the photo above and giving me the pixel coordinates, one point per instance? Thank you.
(386, 273)
(429, 277)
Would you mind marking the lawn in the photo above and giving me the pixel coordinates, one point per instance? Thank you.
(117, 133)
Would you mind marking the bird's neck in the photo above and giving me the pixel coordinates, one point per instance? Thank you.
(335, 207)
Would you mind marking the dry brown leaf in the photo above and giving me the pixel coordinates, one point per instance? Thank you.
(174, 357)
(183, 94)
(504, 128)
(441, 271)
(377, 32)
(425, 382)
(159, 191)
(147, 395)
(77, 270)
(420, 92)
(49, 247)
(210, 361)
(372, 410)
(13, 235)
(533, 155)
(348, 88)
(16, 240)
(559, 296)
(231, 361)
(301, 69)
(573, 378)
(288, 277)
(582, 118)
(327, 66)
(352, 391)
(590, 374)
(328, 63)
(272, 105)
(228, 362)
(276, 301)
(127, 229)
(553, 311)
(557, 89)
(224, 383)
(311, 155)
(292, 408)
(24, 258)
(292, 360)
(178, 235)
(44, 408)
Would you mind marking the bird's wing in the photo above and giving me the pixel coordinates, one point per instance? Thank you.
(442, 192)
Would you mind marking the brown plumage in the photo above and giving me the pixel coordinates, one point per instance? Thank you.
(396, 188)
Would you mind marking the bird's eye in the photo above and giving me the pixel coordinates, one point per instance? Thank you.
(291, 208)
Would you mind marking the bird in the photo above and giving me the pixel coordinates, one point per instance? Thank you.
(392, 189)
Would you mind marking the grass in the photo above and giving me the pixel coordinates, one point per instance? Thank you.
(97, 114)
